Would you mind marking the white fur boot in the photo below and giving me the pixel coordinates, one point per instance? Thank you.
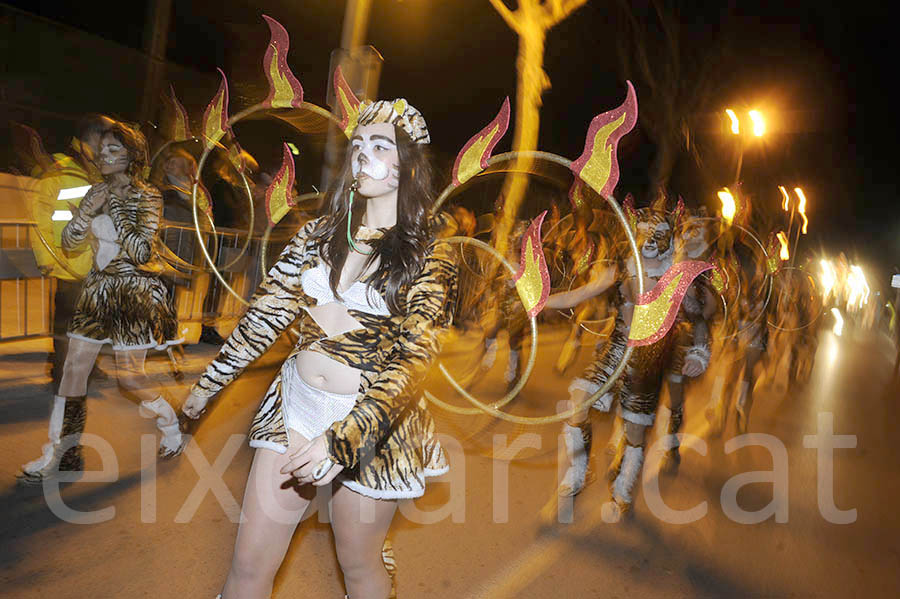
(62, 452)
(578, 450)
(172, 442)
(623, 486)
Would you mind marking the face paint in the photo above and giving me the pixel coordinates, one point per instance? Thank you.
(374, 161)
(113, 155)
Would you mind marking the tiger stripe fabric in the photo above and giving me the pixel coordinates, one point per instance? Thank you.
(387, 444)
(124, 303)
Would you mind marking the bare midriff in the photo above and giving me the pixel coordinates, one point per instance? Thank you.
(317, 369)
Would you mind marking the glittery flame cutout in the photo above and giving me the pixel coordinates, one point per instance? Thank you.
(347, 101)
(533, 279)
(473, 157)
(278, 196)
(285, 90)
(599, 164)
(181, 128)
(655, 311)
(215, 118)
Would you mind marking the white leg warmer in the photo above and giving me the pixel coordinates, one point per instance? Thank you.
(578, 453)
(166, 422)
(54, 434)
(512, 366)
(629, 474)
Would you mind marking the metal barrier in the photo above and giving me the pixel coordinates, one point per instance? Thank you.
(26, 296)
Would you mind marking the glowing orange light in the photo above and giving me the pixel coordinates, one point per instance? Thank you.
(782, 238)
(786, 202)
(735, 125)
(801, 207)
(728, 206)
(759, 123)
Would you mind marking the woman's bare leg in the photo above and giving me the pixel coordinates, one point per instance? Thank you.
(273, 506)
(360, 525)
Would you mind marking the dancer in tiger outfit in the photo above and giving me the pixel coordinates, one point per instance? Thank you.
(122, 302)
(373, 289)
(638, 389)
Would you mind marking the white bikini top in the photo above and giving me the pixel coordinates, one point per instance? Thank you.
(360, 297)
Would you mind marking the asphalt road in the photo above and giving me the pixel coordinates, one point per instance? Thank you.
(486, 529)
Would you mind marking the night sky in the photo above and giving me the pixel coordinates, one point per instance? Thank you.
(823, 70)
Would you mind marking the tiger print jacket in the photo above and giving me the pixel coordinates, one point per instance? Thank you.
(387, 443)
(137, 220)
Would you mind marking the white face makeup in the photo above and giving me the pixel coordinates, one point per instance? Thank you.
(374, 160)
(113, 155)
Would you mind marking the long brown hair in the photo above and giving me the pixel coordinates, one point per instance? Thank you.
(136, 144)
(401, 252)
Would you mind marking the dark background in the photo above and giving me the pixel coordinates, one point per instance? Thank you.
(821, 72)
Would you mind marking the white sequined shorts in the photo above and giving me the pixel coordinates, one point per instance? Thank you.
(307, 409)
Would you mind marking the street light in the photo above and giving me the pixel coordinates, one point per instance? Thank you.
(759, 129)
(759, 123)
(728, 206)
(735, 124)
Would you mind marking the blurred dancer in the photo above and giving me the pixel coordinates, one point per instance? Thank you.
(122, 302)
(638, 389)
(59, 184)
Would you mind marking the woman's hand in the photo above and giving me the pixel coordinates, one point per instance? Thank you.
(307, 460)
(95, 199)
(194, 406)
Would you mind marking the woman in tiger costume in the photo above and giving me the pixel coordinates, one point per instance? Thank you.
(639, 387)
(373, 290)
(122, 302)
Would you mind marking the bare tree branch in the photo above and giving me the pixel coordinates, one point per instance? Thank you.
(511, 20)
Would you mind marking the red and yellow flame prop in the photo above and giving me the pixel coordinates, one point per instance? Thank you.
(347, 101)
(599, 165)
(181, 128)
(204, 200)
(473, 158)
(279, 195)
(235, 156)
(533, 279)
(285, 90)
(655, 310)
(215, 118)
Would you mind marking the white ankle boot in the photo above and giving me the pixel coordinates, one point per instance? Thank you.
(578, 450)
(172, 442)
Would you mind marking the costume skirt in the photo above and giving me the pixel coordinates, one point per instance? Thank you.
(131, 310)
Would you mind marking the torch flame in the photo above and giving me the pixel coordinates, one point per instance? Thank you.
(279, 196)
(655, 310)
(347, 101)
(181, 129)
(284, 89)
(533, 279)
(472, 159)
(728, 207)
(215, 118)
(598, 165)
(801, 207)
(759, 123)
(786, 199)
